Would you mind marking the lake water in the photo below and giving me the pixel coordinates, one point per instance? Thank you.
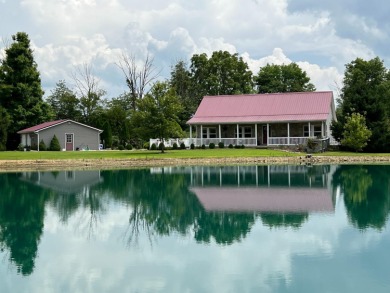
(197, 229)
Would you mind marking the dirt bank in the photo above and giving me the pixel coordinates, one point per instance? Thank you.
(30, 165)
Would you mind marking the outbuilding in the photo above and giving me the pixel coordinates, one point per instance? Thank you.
(71, 135)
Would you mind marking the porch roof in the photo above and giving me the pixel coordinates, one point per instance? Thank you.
(280, 107)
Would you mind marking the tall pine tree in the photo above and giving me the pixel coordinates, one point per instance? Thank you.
(20, 88)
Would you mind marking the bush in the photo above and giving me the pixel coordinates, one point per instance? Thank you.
(121, 147)
(55, 144)
(221, 145)
(161, 146)
(174, 146)
(146, 145)
(203, 147)
(129, 147)
(230, 146)
(243, 146)
(212, 145)
(237, 146)
(192, 146)
(182, 146)
(153, 147)
(42, 146)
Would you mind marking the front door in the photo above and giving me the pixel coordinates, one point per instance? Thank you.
(265, 135)
(69, 141)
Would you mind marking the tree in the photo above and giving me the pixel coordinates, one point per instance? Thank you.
(221, 74)
(138, 78)
(366, 90)
(182, 83)
(64, 102)
(4, 124)
(282, 78)
(356, 134)
(89, 91)
(157, 114)
(54, 144)
(20, 88)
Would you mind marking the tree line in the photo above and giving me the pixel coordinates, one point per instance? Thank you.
(154, 108)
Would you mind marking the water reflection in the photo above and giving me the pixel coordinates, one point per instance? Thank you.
(366, 191)
(211, 204)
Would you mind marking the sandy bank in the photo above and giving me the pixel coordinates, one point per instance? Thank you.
(17, 165)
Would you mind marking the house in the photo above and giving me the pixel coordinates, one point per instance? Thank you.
(263, 119)
(71, 135)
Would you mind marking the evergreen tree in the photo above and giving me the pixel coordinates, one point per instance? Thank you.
(55, 144)
(64, 102)
(20, 88)
(4, 124)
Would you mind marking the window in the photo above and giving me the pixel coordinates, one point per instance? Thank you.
(317, 131)
(305, 130)
(209, 132)
(244, 131)
(69, 138)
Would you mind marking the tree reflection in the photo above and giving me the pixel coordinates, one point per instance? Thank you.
(366, 194)
(21, 220)
(279, 220)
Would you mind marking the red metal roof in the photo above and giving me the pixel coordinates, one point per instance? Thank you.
(303, 106)
(264, 199)
(41, 126)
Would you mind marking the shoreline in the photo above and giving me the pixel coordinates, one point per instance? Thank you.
(38, 165)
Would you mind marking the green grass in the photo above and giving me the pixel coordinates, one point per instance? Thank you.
(174, 154)
(143, 154)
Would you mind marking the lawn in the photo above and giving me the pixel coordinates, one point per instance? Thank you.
(174, 154)
(144, 154)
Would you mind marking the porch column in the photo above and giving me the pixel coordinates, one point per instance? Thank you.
(256, 135)
(201, 134)
(322, 129)
(309, 129)
(238, 134)
(288, 133)
(219, 131)
(267, 133)
(190, 134)
(38, 142)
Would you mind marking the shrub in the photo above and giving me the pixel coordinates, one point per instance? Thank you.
(212, 145)
(221, 145)
(182, 146)
(161, 146)
(203, 147)
(42, 146)
(237, 146)
(121, 147)
(146, 145)
(21, 147)
(192, 146)
(153, 147)
(129, 147)
(243, 146)
(174, 146)
(230, 146)
(55, 144)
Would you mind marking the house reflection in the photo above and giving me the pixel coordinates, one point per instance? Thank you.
(274, 188)
(64, 182)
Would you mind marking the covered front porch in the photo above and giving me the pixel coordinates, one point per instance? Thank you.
(258, 134)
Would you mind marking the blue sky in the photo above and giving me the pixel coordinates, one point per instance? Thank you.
(321, 36)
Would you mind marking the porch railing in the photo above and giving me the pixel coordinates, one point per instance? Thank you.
(226, 141)
(287, 140)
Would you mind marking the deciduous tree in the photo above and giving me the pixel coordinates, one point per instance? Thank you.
(282, 78)
(157, 114)
(355, 134)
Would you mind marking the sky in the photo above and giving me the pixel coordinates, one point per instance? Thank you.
(320, 36)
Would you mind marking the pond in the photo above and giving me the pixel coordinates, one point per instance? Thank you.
(270, 228)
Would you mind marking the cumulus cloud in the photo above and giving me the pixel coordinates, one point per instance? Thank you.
(71, 32)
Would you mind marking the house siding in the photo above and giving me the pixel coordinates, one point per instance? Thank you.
(83, 137)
